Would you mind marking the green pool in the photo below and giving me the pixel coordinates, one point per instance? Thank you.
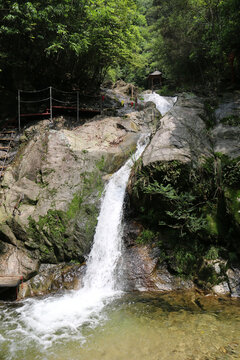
(141, 326)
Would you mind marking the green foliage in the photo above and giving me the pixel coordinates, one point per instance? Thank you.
(100, 164)
(212, 253)
(209, 109)
(166, 90)
(233, 202)
(186, 261)
(179, 192)
(193, 40)
(146, 236)
(209, 275)
(65, 43)
(230, 170)
(51, 234)
(51, 225)
(232, 120)
(196, 210)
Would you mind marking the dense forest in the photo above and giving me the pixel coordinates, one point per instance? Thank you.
(81, 43)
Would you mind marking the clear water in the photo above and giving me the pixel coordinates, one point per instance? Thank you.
(134, 327)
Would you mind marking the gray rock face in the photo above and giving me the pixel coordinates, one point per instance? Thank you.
(234, 281)
(221, 289)
(143, 273)
(52, 278)
(51, 194)
(181, 136)
(229, 105)
(16, 261)
(232, 284)
(225, 137)
(226, 140)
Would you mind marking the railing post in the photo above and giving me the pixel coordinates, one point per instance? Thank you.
(77, 106)
(50, 98)
(19, 110)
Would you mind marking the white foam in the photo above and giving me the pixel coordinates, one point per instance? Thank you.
(163, 103)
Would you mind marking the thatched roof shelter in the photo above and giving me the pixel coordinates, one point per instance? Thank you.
(154, 78)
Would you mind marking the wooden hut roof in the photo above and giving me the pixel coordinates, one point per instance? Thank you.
(155, 73)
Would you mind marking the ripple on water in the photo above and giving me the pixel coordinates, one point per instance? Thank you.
(143, 326)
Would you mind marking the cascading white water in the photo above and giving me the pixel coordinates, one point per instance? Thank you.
(55, 318)
(107, 245)
(163, 103)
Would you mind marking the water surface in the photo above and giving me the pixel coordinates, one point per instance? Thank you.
(135, 326)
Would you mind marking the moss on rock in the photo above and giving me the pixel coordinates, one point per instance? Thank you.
(188, 211)
(66, 235)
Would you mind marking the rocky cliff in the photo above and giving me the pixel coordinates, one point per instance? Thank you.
(185, 192)
(51, 193)
(182, 215)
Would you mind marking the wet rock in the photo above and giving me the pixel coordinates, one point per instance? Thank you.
(132, 230)
(234, 281)
(143, 273)
(226, 137)
(151, 116)
(221, 289)
(52, 278)
(16, 262)
(147, 119)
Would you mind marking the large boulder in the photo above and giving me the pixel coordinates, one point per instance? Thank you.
(143, 273)
(226, 140)
(184, 192)
(229, 105)
(51, 193)
(181, 136)
(52, 278)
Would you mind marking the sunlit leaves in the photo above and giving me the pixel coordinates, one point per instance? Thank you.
(77, 37)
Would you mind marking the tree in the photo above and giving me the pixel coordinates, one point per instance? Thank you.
(64, 42)
(194, 38)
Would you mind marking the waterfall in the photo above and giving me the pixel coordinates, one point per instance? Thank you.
(54, 318)
(107, 246)
(163, 103)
